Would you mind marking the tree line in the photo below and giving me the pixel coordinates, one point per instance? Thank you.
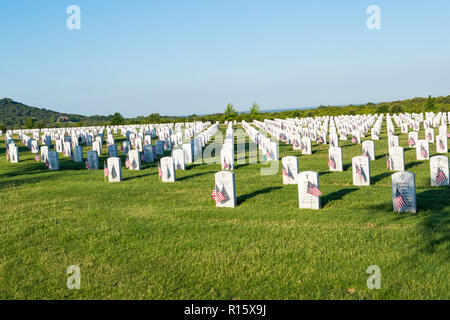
(17, 115)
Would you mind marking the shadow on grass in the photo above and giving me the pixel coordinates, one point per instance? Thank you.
(436, 225)
(27, 180)
(380, 177)
(412, 165)
(242, 198)
(346, 166)
(337, 195)
(195, 175)
(140, 176)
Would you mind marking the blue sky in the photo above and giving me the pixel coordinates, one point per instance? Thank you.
(185, 57)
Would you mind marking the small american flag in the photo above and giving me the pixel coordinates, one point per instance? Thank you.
(106, 171)
(302, 146)
(331, 162)
(268, 154)
(365, 153)
(217, 195)
(37, 158)
(423, 152)
(87, 165)
(354, 140)
(225, 164)
(429, 137)
(288, 172)
(411, 142)
(47, 164)
(388, 161)
(400, 202)
(127, 163)
(359, 172)
(295, 144)
(441, 144)
(159, 170)
(440, 176)
(313, 190)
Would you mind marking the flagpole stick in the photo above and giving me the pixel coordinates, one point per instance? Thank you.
(104, 166)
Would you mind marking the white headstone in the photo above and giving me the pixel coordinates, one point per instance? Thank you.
(335, 162)
(413, 137)
(178, 157)
(44, 153)
(134, 160)
(306, 145)
(227, 158)
(396, 159)
(361, 171)
(96, 146)
(289, 169)
(13, 153)
(188, 152)
(439, 172)
(441, 144)
(114, 169)
(168, 169)
(422, 150)
(308, 186)
(368, 148)
(225, 184)
(404, 192)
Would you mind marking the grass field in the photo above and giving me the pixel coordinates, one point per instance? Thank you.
(142, 239)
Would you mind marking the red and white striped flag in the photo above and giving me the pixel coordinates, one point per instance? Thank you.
(106, 171)
(411, 142)
(159, 169)
(285, 173)
(423, 152)
(441, 144)
(388, 161)
(313, 190)
(365, 153)
(225, 164)
(400, 202)
(332, 163)
(440, 176)
(217, 195)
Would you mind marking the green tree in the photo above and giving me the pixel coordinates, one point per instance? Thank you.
(254, 109)
(396, 108)
(382, 108)
(153, 118)
(430, 105)
(230, 112)
(29, 123)
(117, 119)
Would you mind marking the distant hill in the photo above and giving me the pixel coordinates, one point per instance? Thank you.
(16, 114)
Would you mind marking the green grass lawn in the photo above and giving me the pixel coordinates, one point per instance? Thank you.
(143, 239)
